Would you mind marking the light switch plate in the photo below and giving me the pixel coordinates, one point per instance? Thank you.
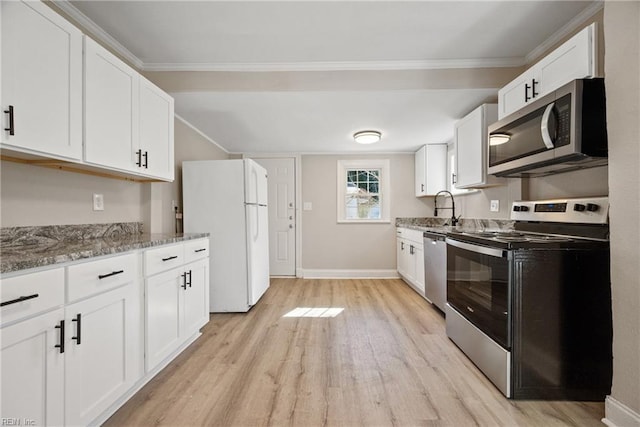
(307, 206)
(495, 206)
(98, 202)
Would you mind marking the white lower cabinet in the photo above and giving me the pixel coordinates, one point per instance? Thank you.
(177, 304)
(102, 355)
(196, 297)
(33, 370)
(164, 298)
(410, 257)
(76, 363)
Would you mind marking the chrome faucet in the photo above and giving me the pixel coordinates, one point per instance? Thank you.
(454, 220)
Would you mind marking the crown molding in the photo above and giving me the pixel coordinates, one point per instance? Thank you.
(563, 32)
(202, 134)
(102, 36)
(340, 65)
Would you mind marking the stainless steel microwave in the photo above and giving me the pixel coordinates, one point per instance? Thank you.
(564, 130)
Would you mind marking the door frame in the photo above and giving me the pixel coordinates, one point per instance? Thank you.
(297, 162)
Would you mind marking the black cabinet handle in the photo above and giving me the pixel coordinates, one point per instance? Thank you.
(422, 186)
(189, 273)
(146, 160)
(411, 249)
(19, 299)
(61, 345)
(200, 250)
(184, 281)
(402, 246)
(533, 88)
(113, 273)
(139, 161)
(170, 258)
(11, 129)
(78, 321)
(526, 92)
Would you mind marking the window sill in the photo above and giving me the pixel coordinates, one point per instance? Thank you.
(364, 221)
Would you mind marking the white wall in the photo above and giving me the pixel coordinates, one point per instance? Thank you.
(329, 245)
(33, 195)
(622, 47)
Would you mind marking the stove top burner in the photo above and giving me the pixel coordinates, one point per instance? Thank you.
(515, 239)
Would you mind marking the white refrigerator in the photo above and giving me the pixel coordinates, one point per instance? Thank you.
(228, 199)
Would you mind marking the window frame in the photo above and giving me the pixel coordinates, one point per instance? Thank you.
(384, 189)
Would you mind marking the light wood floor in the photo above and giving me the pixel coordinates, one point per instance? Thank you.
(384, 360)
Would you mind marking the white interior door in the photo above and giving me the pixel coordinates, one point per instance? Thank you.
(282, 215)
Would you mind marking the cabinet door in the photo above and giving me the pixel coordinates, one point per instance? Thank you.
(418, 259)
(515, 95)
(41, 80)
(410, 261)
(574, 59)
(33, 370)
(196, 297)
(156, 131)
(102, 352)
(471, 146)
(402, 249)
(111, 109)
(164, 297)
(420, 171)
(436, 168)
(469, 153)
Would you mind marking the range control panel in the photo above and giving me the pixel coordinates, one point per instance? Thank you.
(587, 210)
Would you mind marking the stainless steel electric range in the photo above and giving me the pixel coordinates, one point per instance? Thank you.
(531, 307)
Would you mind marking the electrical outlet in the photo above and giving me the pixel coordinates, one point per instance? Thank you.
(98, 202)
(495, 206)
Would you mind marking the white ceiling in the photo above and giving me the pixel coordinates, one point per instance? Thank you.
(297, 36)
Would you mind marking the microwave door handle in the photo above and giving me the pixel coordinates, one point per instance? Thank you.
(544, 126)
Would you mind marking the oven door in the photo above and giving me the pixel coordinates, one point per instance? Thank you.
(478, 287)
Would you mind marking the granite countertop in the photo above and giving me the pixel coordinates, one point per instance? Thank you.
(22, 248)
(438, 225)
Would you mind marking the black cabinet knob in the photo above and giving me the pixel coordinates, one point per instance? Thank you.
(579, 207)
(592, 207)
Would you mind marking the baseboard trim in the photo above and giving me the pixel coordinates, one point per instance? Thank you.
(349, 274)
(617, 414)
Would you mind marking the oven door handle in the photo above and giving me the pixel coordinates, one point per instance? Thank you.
(498, 253)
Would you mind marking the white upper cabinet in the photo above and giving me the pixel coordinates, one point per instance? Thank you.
(471, 146)
(111, 109)
(128, 120)
(574, 59)
(430, 169)
(155, 131)
(41, 81)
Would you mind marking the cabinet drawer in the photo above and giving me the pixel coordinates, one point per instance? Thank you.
(163, 258)
(93, 277)
(195, 250)
(414, 236)
(35, 293)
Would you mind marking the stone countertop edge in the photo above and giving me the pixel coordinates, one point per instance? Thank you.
(17, 259)
(437, 225)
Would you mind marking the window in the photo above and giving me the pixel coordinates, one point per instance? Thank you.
(363, 191)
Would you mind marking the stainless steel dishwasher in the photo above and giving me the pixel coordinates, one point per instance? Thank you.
(435, 268)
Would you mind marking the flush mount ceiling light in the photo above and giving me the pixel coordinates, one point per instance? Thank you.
(367, 136)
(499, 139)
